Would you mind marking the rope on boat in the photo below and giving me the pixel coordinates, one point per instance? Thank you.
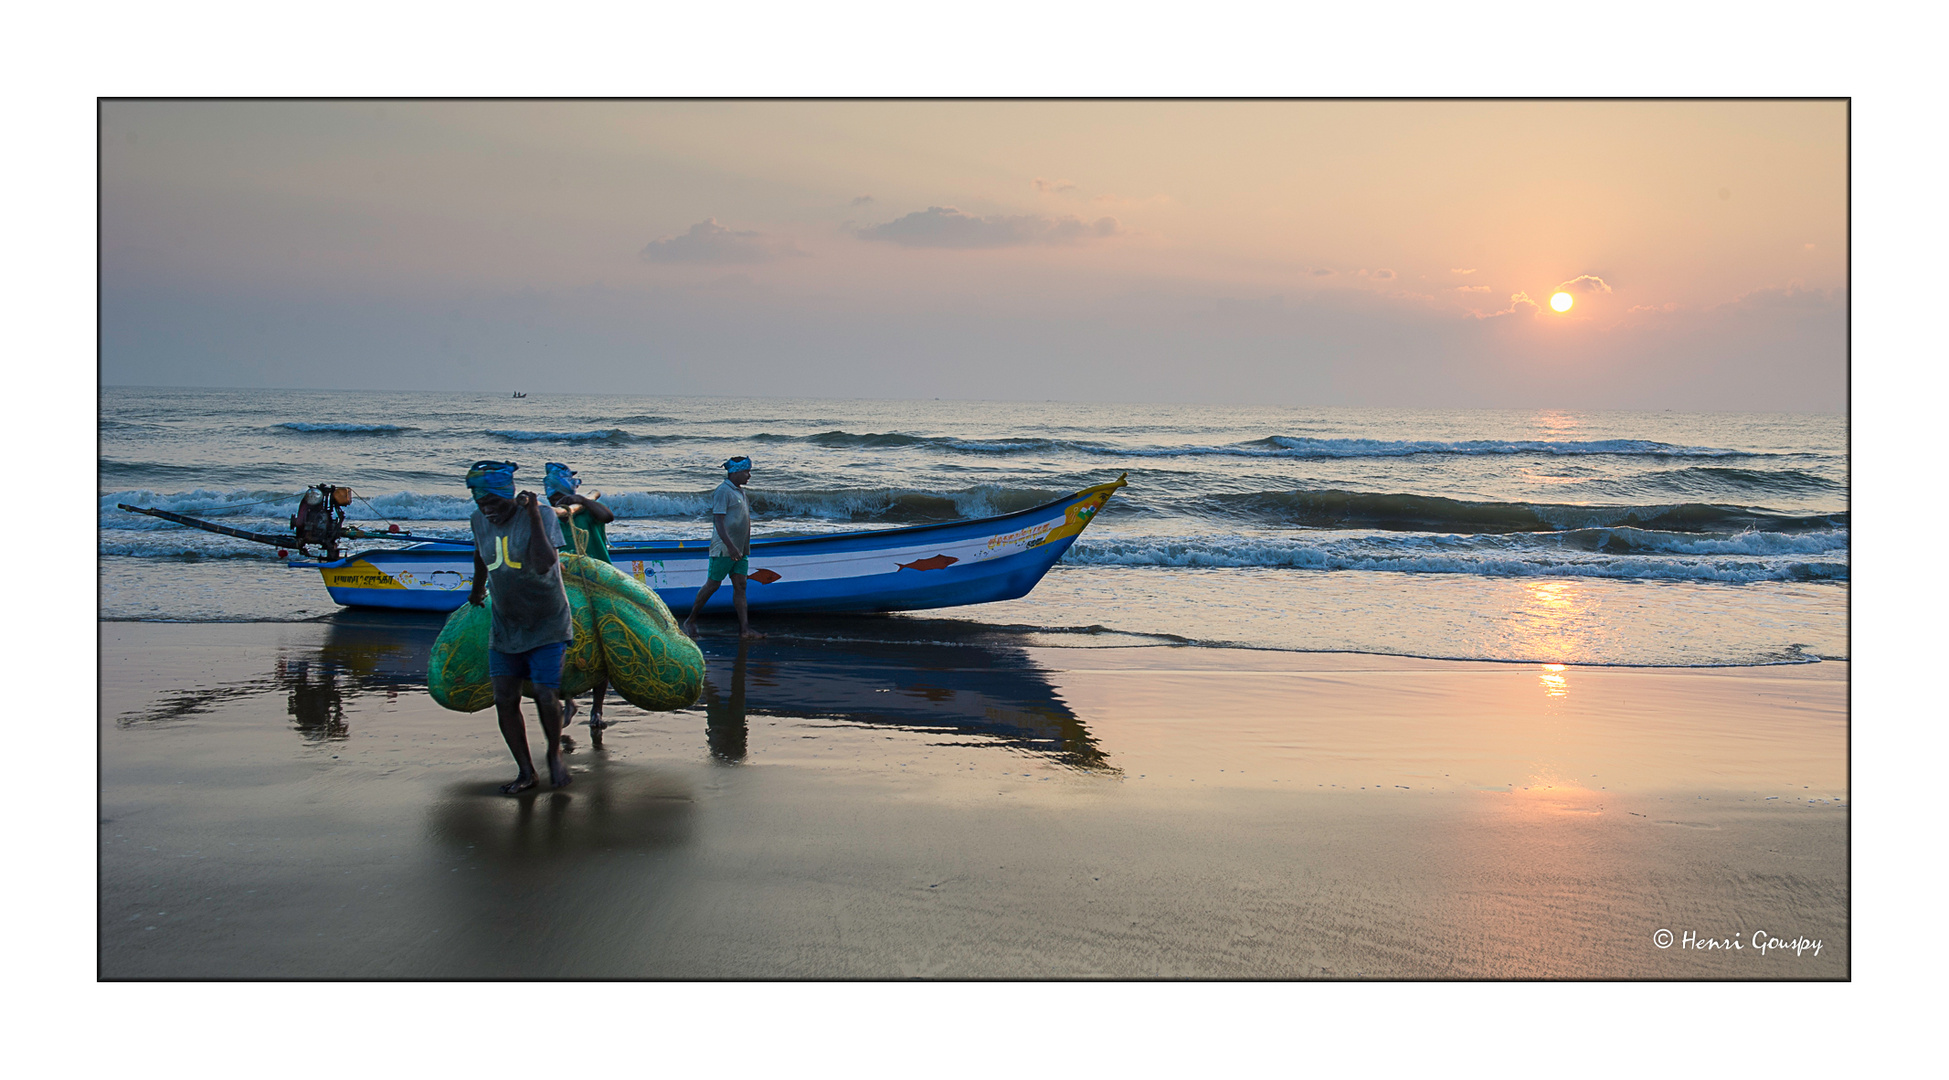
(374, 509)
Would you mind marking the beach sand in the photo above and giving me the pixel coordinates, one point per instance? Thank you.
(284, 800)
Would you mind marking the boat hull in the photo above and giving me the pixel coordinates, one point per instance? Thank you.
(932, 566)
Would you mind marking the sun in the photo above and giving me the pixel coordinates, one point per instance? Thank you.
(1562, 301)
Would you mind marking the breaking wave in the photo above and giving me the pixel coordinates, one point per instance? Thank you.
(346, 429)
(1310, 447)
(609, 436)
(900, 506)
(203, 502)
(1431, 513)
(1437, 557)
(1742, 482)
(1274, 446)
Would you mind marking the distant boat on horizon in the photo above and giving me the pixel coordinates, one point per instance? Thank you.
(518, 393)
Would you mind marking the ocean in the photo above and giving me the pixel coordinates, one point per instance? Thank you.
(1606, 538)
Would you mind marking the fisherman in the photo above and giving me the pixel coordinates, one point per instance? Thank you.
(514, 556)
(585, 524)
(730, 546)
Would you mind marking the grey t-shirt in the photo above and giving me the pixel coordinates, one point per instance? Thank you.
(728, 500)
(530, 609)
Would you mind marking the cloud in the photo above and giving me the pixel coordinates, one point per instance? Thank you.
(1644, 309)
(1586, 284)
(709, 242)
(947, 227)
(862, 200)
(1377, 275)
(1519, 304)
(1458, 270)
(1793, 296)
(1052, 186)
(1322, 272)
(1471, 288)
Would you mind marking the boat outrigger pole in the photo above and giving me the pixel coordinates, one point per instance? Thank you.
(320, 520)
(262, 538)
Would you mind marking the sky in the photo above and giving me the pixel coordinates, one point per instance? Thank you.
(1377, 253)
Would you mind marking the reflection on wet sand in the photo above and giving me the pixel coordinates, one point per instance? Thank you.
(361, 654)
(1555, 685)
(967, 685)
(610, 807)
(964, 693)
(554, 884)
(724, 723)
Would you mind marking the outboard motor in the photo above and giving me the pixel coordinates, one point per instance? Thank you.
(321, 518)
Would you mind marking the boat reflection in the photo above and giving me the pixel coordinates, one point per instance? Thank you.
(967, 692)
(957, 682)
(330, 663)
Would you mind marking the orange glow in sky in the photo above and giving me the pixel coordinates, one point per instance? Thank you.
(1308, 252)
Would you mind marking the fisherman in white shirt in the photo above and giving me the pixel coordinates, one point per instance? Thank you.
(730, 546)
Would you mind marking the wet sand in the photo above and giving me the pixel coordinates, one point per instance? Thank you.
(284, 800)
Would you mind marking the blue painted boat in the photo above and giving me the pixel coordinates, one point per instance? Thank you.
(924, 566)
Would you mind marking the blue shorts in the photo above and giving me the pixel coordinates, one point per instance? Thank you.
(724, 564)
(541, 665)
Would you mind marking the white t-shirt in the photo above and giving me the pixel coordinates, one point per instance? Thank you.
(729, 500)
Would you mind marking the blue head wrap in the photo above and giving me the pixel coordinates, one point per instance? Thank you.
(492, 478)
(560, 480)
(737, 464)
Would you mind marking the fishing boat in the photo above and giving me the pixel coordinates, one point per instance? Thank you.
(975, 561)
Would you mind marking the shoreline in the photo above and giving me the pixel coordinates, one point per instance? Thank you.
(1030, 637)
(291, 799)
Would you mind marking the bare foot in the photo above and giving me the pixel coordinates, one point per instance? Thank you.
(689, 628)
(568, 711)
(567, 744)
(519, 784)
(749, 635)
(557, 774)
(595, 720)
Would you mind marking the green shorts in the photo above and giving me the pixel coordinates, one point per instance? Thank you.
(723, 566)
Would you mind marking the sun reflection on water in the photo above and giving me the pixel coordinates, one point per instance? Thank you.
(1555, 424)
(1553, 624)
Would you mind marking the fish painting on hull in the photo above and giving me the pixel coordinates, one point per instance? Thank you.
(765, 577)
(938, 562)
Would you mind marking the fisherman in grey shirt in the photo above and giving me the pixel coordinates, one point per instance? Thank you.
(730, 546)
(514, 559)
